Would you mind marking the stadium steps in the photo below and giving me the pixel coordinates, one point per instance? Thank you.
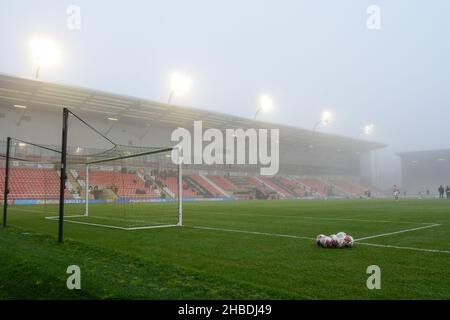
(269, 181)
(162, 189)
(223, 183)
(194, 184)
(205, 185)
(314, 185)
(221, 191)
(73, 184)
(294, 187)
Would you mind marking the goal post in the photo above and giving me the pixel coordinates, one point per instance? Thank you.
(103, 184)
(86, 193)
(139, 190)
(118, 186)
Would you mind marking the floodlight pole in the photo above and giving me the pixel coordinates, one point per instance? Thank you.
(63, 177)
(257, 112)
(6, 191)
(316, 125)
(38, 70)
(170, 96)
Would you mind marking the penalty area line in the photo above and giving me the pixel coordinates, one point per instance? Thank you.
(402, 248)
(397, 232)
(252, 232)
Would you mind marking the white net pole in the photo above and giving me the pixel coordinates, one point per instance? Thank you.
(86, 191)
(180, 189)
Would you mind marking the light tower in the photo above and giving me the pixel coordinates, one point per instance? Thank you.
(179, 84)
(45, 53)
(325, 118)
(265, 104)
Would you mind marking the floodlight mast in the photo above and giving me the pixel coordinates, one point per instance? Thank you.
(368, 129)
(325, 119)
(265, 105)
(44, 53)
(180, 84)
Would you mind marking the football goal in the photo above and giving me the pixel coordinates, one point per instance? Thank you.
(91, 180)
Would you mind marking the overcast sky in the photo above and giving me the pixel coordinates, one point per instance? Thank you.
(308, 55)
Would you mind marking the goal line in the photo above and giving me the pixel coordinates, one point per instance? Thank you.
(55, 218)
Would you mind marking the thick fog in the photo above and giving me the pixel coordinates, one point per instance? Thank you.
(309, 56)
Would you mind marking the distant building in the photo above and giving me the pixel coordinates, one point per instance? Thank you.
(422, 170)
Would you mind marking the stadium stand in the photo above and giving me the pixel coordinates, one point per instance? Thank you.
(348, 188)
(123, 184)
(314, 186)
(308, 159)
(33, 183)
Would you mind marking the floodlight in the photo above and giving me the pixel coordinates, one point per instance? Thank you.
(45, 53)
(326, 117)
(368, 129)
(265, 104)
(179, 84)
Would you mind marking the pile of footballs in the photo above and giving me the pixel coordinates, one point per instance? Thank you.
(339, 240)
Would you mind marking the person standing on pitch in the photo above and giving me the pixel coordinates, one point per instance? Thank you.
(396, 192)
(441, 191)
(447, 191)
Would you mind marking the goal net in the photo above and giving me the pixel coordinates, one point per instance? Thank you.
(92, 180)
(29, 184)
(130, 192)
(119, 186)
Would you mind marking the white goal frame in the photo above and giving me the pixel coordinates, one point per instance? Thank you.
(86, 200)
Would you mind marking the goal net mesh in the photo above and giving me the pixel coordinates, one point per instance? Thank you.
(107, 184)
(119, 186)
(33, 184)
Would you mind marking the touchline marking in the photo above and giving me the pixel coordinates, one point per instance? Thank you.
(397, 232)
(252, 232)
(403, 248)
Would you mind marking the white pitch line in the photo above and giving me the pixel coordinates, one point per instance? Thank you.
(253, 232)
(397, 232)
(152, 227)
(309, 217)
(403, 248)
(110, 226)
(89, 224)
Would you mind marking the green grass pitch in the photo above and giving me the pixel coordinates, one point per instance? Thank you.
(232, 250)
